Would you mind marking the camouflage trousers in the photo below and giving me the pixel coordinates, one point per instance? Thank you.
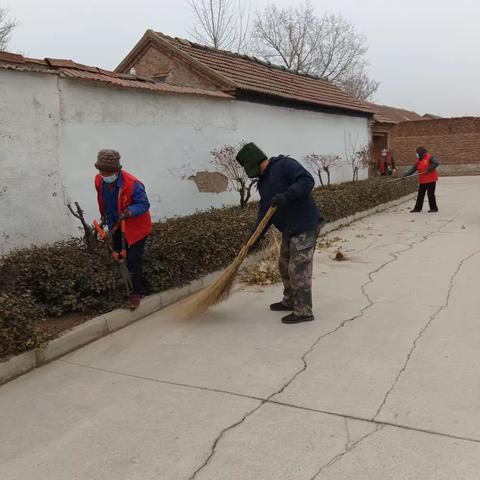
(296, 266)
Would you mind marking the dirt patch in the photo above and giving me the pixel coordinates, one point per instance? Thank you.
(340, 256)
(210, 182)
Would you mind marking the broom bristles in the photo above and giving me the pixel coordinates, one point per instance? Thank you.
(220, 290)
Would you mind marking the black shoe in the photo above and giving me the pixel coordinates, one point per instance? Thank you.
(415, 211)
(292, 318)
(280, 307)
(433, 211)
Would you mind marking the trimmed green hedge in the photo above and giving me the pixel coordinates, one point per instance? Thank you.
(64, 277)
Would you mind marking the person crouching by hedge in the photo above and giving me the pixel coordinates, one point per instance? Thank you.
(121, 196)
(285, 184)
(426, 166)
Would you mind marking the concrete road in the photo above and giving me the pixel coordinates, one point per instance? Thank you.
(384, 385)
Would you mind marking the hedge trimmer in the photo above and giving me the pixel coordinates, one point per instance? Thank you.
(120, 258)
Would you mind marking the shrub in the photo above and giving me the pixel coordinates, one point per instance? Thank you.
(20, 323)
(65, 277)
(344, 199)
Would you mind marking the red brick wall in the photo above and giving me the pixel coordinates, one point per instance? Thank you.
(455, 142)
(153, 62)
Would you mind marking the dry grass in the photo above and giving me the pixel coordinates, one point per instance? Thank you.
(325, 243)
(265, 271)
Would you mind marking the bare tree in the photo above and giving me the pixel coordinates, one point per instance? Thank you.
(89, 233)
(357, 158)
(327, 46)
(7, 25)
(323, 163)
(360, 85)
(225, 163)
(223, 24)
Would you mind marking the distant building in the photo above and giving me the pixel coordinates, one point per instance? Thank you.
(384, 120)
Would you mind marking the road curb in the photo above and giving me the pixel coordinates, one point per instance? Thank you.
(108, 323)
(16, 366)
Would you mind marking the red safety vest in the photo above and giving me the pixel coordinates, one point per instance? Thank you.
(422, 167)
(136, 228)
(385, 162)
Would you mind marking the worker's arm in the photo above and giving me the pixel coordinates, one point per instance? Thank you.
(433, 165)
(410, 172)
(300, 180)
(140, 203)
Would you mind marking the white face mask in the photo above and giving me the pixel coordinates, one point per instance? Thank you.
(110, 179)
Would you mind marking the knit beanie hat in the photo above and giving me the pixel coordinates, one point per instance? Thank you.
(250, 157)
(108, 160)
(422, 151)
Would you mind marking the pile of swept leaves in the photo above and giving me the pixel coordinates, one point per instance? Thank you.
(265, 270)
(64, 277)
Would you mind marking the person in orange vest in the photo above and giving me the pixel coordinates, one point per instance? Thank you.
(121, 196)
(426, 166)
(386, 163)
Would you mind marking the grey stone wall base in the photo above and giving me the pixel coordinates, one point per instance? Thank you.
(110, 322)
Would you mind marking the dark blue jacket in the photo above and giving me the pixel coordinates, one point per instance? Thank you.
(300, 214)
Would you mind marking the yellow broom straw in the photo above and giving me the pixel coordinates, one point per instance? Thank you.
(219, 290)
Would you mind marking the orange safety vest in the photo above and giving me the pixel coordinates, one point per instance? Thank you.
(422, 167)
(136, 228)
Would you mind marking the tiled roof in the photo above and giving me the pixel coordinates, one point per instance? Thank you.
(431, 116)
(252, 75)
(70, 69)
(386, 114)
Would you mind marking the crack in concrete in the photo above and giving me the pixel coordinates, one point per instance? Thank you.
(424, 329)
(370, 304)
(219, 438)
(347, 430)
(165, 382)
(278, 402)
(395, 256)
(377, 422)
(340, 456)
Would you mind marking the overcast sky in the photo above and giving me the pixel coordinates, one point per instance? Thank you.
(424, 52)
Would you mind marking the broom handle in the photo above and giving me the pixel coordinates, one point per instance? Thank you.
(261, 226)
(400, 179)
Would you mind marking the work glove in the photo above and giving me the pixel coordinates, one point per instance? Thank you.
(124, 215)
(279, 200)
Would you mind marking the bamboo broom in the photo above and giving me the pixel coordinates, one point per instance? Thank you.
(219, 290)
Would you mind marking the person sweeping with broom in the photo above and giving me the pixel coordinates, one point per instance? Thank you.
(286, 185)
(124, 207)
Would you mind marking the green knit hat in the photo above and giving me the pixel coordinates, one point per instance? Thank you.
(250, 157)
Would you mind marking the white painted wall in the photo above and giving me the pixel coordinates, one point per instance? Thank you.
(52, 128)
(31, 196)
